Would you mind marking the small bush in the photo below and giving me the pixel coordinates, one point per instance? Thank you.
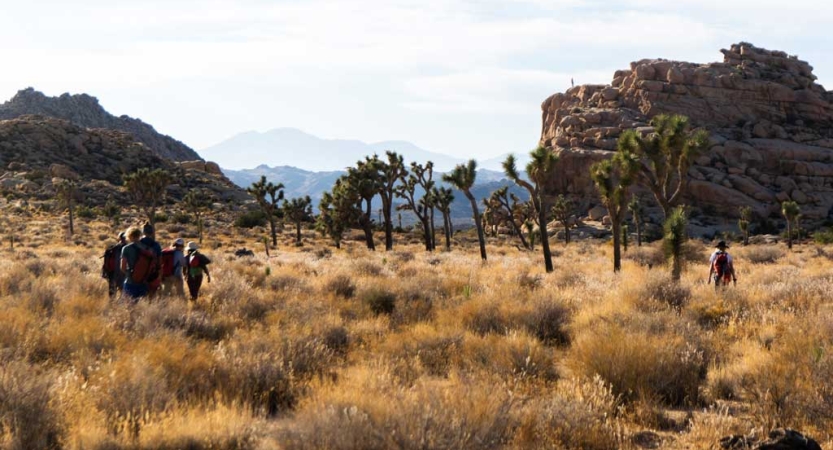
(160, 217)
(760, 254)
(484, 318)
(823, 237)
(380, 301)
(341, 286)
(547, 321)
(336, 339)
(27, 417)
(85, 212)
(181, 218)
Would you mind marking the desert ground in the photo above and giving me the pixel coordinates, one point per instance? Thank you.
(319, 348)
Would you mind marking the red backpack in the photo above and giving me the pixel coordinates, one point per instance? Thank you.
(721, 267)
(167, 262)
(146, 267)
(111, 260)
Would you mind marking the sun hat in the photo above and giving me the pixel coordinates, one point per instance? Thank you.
(179, 241)
(722, 244)
(192, 246)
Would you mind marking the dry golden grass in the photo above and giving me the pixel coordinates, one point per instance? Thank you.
(349, 349)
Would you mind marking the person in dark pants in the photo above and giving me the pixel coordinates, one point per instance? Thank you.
(197, 266)
(131, 253)
(149, 241)
(111, 269)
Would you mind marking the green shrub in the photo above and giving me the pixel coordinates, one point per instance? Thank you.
(250, 219)
(160, 217)
(85, 212)
(380, 301)
(181, 218)
(823, 237)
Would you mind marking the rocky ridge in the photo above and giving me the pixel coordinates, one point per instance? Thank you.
(85, 111)
(37, 151)
(771, 129)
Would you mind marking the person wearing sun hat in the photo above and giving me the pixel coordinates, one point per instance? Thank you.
(172, 278)
(197, 266)
(721, 266)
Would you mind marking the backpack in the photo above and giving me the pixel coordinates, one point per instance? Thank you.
(111, 260)
(721, 265)
(147, 266)
(198, 260)
(167, 262)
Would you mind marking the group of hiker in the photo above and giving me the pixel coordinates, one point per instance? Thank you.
(137, 266)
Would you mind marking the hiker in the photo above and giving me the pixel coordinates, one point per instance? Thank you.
(721, 266)
(111, 267)
(149, 241)
(172, 263)
(133, 266)
(197, 265)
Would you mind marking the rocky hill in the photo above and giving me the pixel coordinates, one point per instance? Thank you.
(85, 111)
(771, 128)
(36, 151)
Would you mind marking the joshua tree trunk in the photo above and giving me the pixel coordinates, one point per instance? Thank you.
(617, 242)
(789, 235)
(273, 227)
(71, 222)
(433, 231)
(480, 237)
(298, 233)
(638, 225)
(566, 234)
(199, 227)
(447, 228)
(367, 226)
(388, 231)
(426, 229)
(545, 240)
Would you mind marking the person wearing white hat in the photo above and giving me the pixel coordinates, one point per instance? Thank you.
(197, 266)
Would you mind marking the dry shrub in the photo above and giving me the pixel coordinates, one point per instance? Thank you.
(647, 256)
(484, 317)
(760, 254)
(436, 352)
(280, 283)
(417, 305)
(337, 339)
(341, 286)
(367, 268)
(710, 313)
(547, 320)
(29, 418)
(579, 415)
(15, 279)
(379, 300)
(372, 412)
(516, 356)
(641, 364)
(530, 282)
(658, 290)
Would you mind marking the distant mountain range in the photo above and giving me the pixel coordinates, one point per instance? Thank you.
(298, 183)
(292, 147)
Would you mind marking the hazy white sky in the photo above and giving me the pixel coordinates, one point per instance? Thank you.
(460, 77)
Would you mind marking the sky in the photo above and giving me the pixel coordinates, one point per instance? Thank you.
(460, 77)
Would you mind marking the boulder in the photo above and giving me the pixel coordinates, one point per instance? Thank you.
(597, 213)
(62, 171)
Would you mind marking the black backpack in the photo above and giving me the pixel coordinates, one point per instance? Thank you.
(111, 260)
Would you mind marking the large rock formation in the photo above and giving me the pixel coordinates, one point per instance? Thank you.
(85, 111)
(771, 128)
(35, 151)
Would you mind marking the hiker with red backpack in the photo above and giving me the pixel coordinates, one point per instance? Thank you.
(173, 263)
(137, 263)
(721, 266)
(197, 266)
(111, 267)
(154, 277)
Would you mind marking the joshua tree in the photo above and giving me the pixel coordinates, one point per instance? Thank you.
(339, 210)
(674, 237)
(666, 155)
(462, 177)
(562, 211)
(500, 199)
(791, 212)
(743, 222)
(637, 213)
(529, 225)
(65, 190)
(625, 237)
(267, 195)
(541, 171)
(148, 189)
(443, 197)
(364, 179)
(389, 173)
(112, 210)
(613, 177)
(420, 177)
(197, 202)
(298, 210)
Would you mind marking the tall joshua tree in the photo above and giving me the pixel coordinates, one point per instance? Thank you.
(666, 154)
(673, 239)
(419, 177)
(443, 197)
(541, 171)
(638, 214)
(197, 202)
(462, 177)
(65, 190)
(267, 195)
(791, 212)
(744, 221)
(613, 177)
(364, 178)
(148, 189)
(298, 210)
(390, 171)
